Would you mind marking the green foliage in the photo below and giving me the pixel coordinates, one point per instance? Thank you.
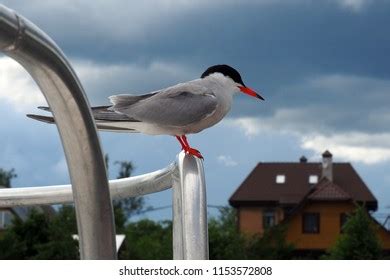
(227, 243)
(6, 177)
(359, 240)
(272, 245)
(41, 237)
(60, 245)
(119, 217)
(147, 240)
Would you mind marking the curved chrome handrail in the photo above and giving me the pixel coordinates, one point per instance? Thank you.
(43, 59)
(121, 188)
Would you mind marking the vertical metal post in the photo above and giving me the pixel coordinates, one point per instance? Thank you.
(42, 58)
(190, 232)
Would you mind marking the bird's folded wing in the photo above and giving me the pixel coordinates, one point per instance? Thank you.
(123, 101)
(104, 113)
(173, 107)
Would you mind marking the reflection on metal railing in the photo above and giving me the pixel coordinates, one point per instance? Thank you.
(190, 232)
(90, 191)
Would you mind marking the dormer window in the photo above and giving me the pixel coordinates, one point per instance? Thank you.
(280, 179)
(313, 179)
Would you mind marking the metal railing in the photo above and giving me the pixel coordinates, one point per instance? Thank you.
(90, 190)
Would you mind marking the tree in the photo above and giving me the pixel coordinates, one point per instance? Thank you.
(147, 240)
(60, 244)
(6, 177)
(359, 240)
(225, 242)
(271, 245)
(41, 237)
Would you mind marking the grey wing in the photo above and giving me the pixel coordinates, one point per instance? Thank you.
(177, 106)
(105, 113)
(123, 101)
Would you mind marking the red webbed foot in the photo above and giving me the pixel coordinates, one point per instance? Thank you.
(194, 152)
(186, 147)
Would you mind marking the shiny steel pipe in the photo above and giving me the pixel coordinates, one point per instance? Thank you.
(121, 188)
(190, 232)
(43, 59)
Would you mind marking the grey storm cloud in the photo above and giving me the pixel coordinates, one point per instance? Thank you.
(325, 58)
(270, 39)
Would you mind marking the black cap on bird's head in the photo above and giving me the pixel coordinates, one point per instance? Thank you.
(225, 70)
(232, 73)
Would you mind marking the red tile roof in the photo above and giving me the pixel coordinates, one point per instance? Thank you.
(326, 190)
(260, 187)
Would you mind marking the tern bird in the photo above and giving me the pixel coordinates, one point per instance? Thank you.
(178, 110)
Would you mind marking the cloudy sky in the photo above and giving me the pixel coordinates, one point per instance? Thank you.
(322, 66)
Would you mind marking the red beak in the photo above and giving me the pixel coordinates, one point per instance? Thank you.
(250, 92)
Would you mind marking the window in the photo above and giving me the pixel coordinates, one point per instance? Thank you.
(311, 223)
(313, 179)
(268, 218)
(343, 220)
(280, 179)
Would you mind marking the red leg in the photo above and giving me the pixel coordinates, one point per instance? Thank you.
(184, 139)
(186, 147)
(183, 145)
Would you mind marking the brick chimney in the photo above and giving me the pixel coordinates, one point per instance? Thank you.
(327, 166)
